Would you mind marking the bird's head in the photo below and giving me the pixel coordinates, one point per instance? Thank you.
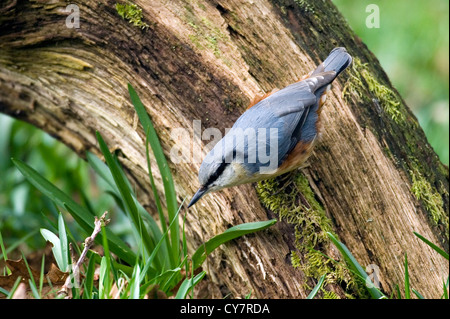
(219, 169)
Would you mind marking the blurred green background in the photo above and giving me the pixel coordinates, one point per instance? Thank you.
(412, 45)
(413, 48)
(23, 209)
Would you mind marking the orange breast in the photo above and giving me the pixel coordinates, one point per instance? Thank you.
(297, 157)
(259, 98)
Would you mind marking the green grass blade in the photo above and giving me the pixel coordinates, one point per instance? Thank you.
(162, 279)
(126, 194)
(397, 290)
(23, 239)
(104, 172)
(101, 169)
(169, 188)
(14, 287)
(158, 245)
(56, 249)
(417, 294)
(89, 276)
(188, 284)
(103, 281)
(407, 287)
(105, 269)
(119, 179)
(135, 283)
(4, 291)
(116, 244)
(41, 275)
(429, 243)
(316, 288)
(79, 213)
(159, 208)
(54, 193)
(34, 289)
(4, 254)
(152, 182)
(31, 281)
(445, 289)
(64, 244)
(231, 233)
(374, 292)
(184, 246)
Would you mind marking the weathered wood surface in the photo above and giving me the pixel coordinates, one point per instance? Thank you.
(375, 179)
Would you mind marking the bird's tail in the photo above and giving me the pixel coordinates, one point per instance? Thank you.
(338, 60)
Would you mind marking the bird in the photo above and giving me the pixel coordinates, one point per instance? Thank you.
(275, 135)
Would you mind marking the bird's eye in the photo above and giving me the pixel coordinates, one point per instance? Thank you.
(216, 174)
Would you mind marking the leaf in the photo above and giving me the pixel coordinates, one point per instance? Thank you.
(78, 212)
(433, 246)
(149, 260)
(230, 234)
(63, 244)
(135, 283)
(188, 284)
(417, 294)
(316, 288)
(356, 267)
(104, 172)
(407, 288)
(14, 288)
(89, 280)
(169, 188)
(101, 169)
(104, 281)
(168, 247)
(56, 249)
(445, 289)
(126, 194)
(20, 269)
(397, 290)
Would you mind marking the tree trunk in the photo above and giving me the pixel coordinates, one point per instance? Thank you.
(372, 180)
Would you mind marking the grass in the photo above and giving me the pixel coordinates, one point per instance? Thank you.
(158, 266)
(373, 290)
(23, 208)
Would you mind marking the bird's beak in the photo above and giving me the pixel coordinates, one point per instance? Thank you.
(202, 191)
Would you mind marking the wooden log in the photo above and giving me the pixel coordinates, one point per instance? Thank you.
(372, 180)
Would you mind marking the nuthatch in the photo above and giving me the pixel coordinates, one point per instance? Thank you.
(274, 135)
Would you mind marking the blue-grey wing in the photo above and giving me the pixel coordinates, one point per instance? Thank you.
(291, 112)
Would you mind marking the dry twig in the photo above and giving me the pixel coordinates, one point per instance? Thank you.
(88, 242)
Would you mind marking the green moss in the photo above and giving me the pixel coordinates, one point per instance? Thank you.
(305, 5)
(196, 41)
(361, 78)
(363, 85)
(295, 203)
(206, 36)
(430, 198)
(329, 295)
(132, 13)
(201, 6)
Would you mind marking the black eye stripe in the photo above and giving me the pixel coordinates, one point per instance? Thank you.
(217, 173)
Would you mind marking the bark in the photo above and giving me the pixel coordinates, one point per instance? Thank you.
(372, 180)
